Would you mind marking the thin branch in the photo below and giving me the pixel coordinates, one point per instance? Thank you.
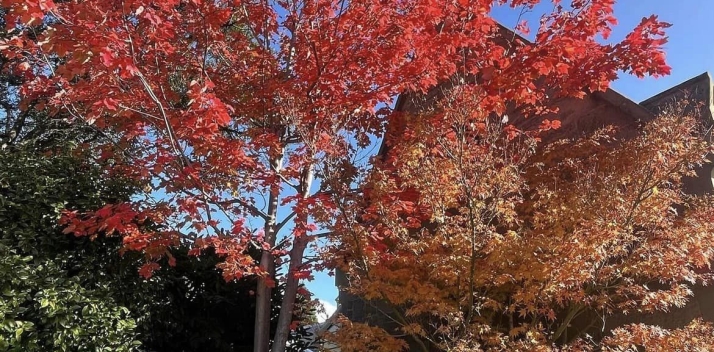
(321, 235)
(285, 221)
(252, 208)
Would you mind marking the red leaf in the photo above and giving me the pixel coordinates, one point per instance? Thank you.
(107, 57)
(147, 270)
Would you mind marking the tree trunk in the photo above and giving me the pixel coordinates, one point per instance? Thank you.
(287, 306)
(261, 335)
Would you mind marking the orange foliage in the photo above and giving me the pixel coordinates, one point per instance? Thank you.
(356, 337)
(695, 337)
(483, 239)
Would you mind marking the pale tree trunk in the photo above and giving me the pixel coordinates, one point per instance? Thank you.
(282, 333)
(288, 304)
(261, 335)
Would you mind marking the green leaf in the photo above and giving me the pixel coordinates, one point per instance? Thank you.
(18, 334)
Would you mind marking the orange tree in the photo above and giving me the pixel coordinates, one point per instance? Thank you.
(243, 117)
(474, 236)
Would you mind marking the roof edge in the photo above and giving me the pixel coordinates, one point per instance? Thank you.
(627, 105)
(677, 87)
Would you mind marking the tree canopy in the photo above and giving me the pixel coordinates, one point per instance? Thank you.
(247, 118)
(485, 239)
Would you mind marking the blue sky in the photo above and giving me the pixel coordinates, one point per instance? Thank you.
(690, 52)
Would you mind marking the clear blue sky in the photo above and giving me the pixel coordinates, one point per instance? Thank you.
(690, 52)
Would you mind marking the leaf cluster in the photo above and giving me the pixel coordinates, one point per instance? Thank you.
(481, 239)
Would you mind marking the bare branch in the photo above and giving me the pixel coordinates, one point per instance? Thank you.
(285, 221)
(252, 208)
(322, 235)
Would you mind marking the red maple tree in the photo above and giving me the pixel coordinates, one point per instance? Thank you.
(230, 110)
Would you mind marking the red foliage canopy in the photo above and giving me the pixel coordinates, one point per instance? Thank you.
(227, 108)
